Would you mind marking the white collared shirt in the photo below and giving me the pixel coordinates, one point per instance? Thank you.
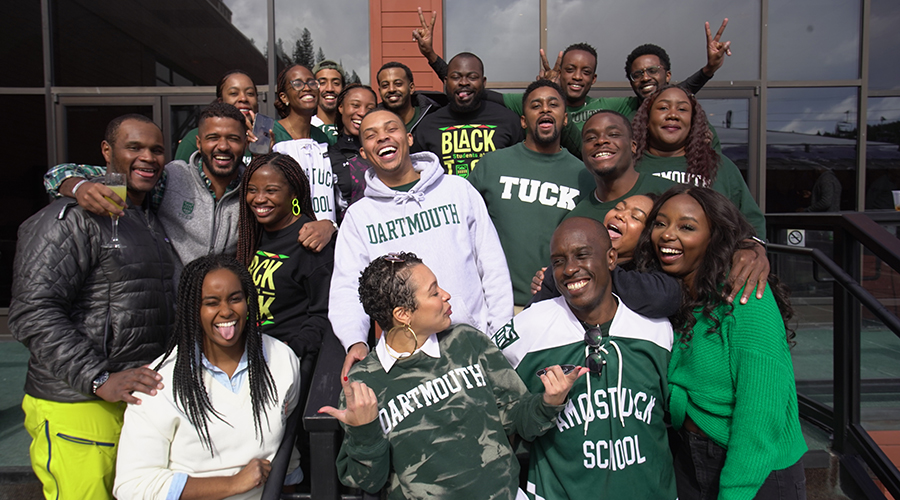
(388, 356)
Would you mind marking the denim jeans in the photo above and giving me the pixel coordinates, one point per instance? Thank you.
(699, 462)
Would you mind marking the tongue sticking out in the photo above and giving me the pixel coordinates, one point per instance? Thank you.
(227, 332)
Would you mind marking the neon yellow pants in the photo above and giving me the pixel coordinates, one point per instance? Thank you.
(73, 446)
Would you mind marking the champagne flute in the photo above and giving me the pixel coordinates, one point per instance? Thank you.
(116, 182)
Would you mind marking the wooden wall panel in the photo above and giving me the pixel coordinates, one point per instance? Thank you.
(391, 23)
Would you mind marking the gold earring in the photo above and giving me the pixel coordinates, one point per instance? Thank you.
(408, 328)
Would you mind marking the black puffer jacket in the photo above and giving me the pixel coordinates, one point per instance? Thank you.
(82, 309)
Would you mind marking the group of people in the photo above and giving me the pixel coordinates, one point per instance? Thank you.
(605, 264)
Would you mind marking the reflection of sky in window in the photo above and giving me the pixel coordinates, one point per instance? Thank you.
(616, 28)
(503, 33)
(884, 42)
(717, 109)
(339, 27)
(883, 110)
(812, 110)
(813, 39)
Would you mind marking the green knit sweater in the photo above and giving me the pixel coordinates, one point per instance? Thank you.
(738, 387)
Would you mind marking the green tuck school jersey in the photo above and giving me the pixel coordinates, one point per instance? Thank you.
(610, 440)
(442, 423)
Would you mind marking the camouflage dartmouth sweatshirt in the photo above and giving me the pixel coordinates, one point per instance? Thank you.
(443, 418)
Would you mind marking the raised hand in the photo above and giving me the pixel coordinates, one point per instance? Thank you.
(548, 73)
(424, 35)
(557, 384)
(716, 50)
(362, 406)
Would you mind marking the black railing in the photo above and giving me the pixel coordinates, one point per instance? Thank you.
(851, 231)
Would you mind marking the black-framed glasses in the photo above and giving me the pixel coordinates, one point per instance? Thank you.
(652, 71)
(298, 84)
(594, 361)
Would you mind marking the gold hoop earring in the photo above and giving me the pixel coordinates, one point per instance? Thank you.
(390, 334)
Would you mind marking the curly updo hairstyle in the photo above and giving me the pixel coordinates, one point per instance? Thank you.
(384, 285)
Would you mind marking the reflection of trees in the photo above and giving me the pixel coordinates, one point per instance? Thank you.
(884, 132)
(306, 54)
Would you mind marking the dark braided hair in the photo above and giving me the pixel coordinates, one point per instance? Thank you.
(729, 231)
(339, 119)
(702, 159)
(384, 285)
(188, 388)
(249, 229)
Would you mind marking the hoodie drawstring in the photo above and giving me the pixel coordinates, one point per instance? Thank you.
(587, 352)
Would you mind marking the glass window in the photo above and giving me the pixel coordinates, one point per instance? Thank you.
(616, 28)
(811, 140)
(731, 119)
(813, 39)
(338, 29)
(882, 152)
(21, 192)
(85, 126)
(504, 34)
(884, 40)
(196, 40)
(20, 45)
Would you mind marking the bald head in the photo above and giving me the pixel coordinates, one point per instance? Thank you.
(593, 230)
(582, 257)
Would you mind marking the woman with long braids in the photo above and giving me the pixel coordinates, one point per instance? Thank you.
(732, 397)
(673, 142)
(292, 280)
(223, 378)
(428, 411)
(353, 103)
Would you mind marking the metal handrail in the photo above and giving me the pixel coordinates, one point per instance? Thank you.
(843, 420)
(846, 281)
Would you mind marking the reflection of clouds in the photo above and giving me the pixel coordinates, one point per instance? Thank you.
(808, 111)
(717, 109)
(340, 27)
(813, 39)
(884, 39)
(504, 34)
(249, 16)
(616, 28)
(886, 107)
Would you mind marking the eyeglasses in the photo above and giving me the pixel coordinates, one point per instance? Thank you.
(593, 337)
(652, 71)
(298, 84)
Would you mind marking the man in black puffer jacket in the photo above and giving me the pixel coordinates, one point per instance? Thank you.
(92, 317)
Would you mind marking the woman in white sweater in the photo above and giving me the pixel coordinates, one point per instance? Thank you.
(222, 377)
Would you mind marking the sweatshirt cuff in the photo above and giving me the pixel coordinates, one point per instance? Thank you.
(365, 439)
(176, 487)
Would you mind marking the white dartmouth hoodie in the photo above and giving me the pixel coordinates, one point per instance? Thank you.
(443, 220)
